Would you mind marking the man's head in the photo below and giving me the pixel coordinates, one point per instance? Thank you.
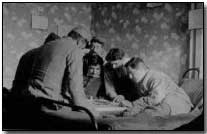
(95, 63)
(52, 36)
(81, 34)
(115, 57)
(136, 69)
(97, 45)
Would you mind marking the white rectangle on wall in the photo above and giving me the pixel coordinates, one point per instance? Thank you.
(39, 22)
(195, 19)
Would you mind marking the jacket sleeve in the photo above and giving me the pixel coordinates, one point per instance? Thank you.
(156, 93)
(109, 86)
(75, 76)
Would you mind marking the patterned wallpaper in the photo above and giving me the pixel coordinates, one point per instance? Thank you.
(159, 35)
(19, 37)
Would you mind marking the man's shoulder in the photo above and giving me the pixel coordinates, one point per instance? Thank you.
(63, 42)
(156, 75)
(30, 53)
(65, 45)
(66, 39)
(154, 72)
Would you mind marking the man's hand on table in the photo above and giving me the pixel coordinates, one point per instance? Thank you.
(118, 99)
(132, 111)
(125, 103)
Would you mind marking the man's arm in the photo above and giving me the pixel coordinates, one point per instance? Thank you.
(156, 91)
(75, 78)
(75, 75)
(109, 86)
(74, 68)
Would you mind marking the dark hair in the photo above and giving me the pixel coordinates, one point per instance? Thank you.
(52, 36)
(97, 40)
(74, 35)
(94, 40)
(135, 63)
(92, 58)
(115, 54)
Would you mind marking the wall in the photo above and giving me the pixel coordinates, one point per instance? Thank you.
(205, 48)
(19, 37)
(159, 35)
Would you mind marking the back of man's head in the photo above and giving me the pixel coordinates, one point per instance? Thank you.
(80, 31)
(52, 36)
(136, 63)
(115, 54)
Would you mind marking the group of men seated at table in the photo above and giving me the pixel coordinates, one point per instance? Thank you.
(74, 68)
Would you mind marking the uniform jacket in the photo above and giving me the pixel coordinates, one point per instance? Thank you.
(156, 88)
(23, 72)
(57, 72)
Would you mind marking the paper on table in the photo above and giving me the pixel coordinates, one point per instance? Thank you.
(107, 106)
(110, 109)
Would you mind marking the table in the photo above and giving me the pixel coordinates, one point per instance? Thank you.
(106, 107)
